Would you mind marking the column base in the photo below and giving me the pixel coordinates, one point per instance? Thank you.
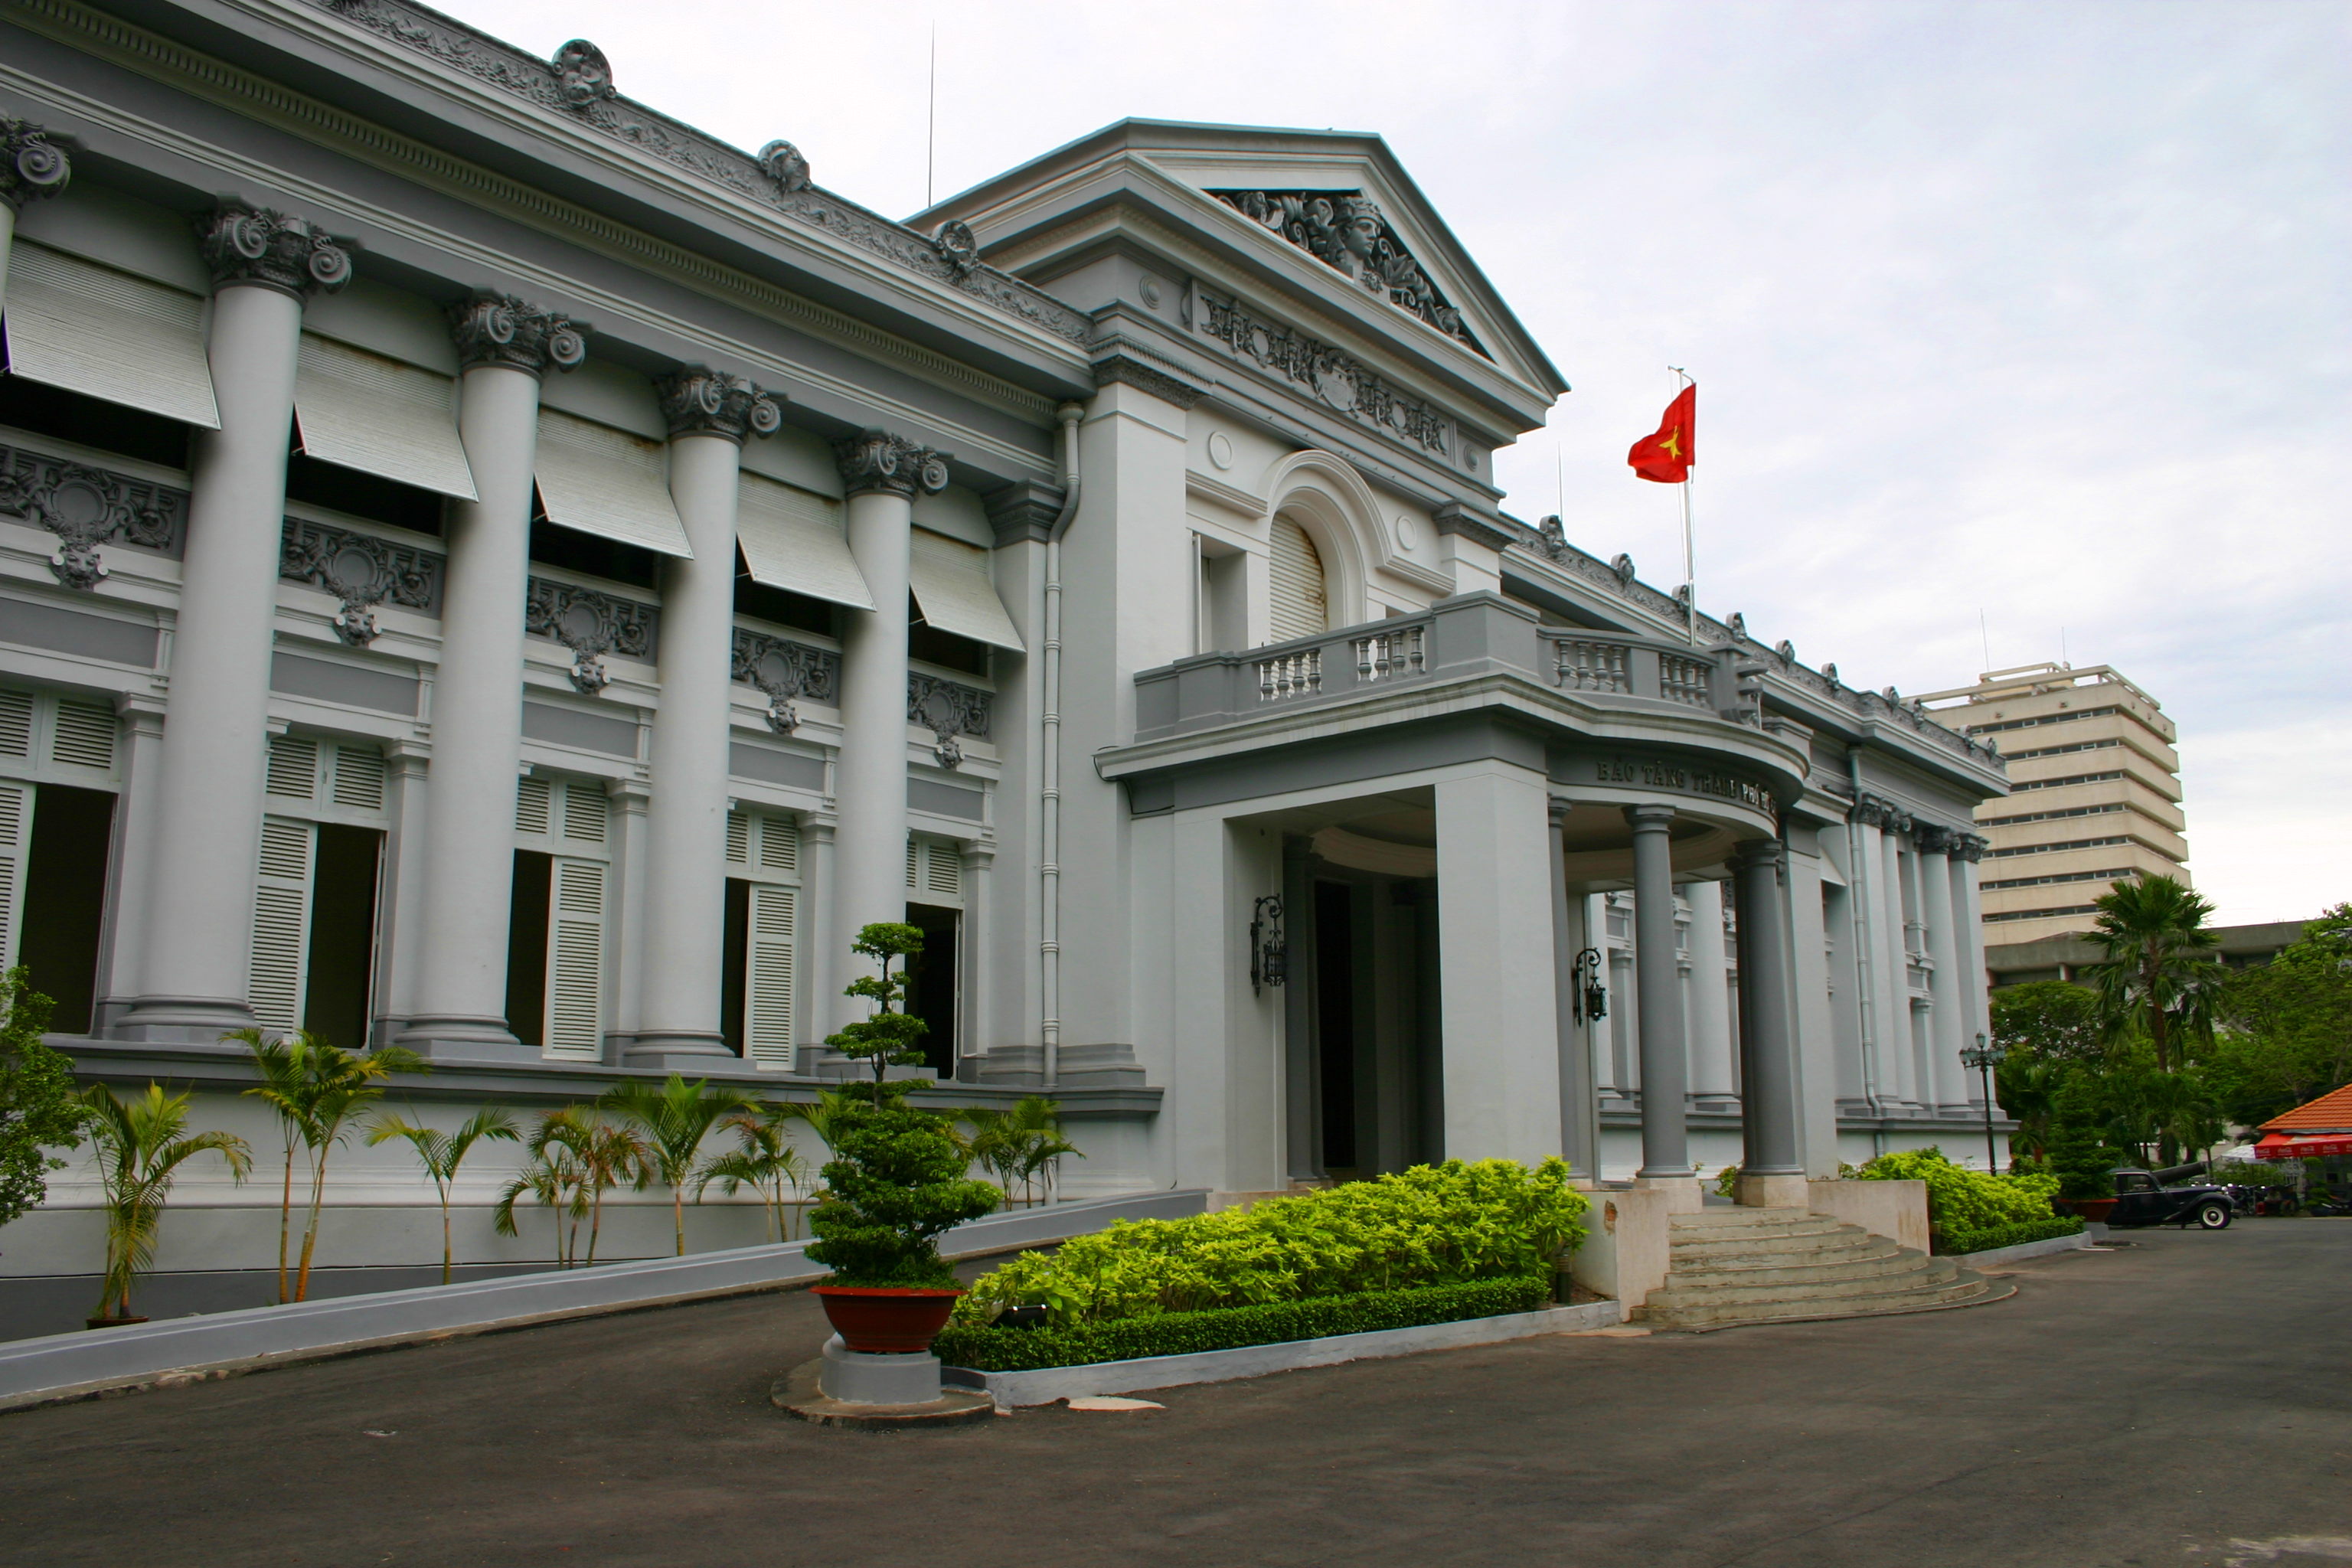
(1775, 1190)
(464, 1037)
(1104, 1066)
(679, 1050)
(182, 1020)
(1682, 1194)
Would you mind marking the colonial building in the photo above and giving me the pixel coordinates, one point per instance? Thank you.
(487, 566)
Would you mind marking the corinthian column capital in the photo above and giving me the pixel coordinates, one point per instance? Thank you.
(500, 330)
(255, 247)
(877, 460)
(699, 400)
(31, 165)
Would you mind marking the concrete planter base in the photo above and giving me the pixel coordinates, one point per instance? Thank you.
(1014, 1389)
(799, 1395)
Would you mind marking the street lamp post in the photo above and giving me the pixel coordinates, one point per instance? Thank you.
(1984, 1057)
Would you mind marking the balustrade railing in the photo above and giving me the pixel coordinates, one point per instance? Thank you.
(1582, 665)
(1387, 655)
(1685, 680)
(1290, 675)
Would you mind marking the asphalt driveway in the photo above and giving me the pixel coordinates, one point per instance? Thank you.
(2186, 1402)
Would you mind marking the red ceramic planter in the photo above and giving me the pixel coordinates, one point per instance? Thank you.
(886, 1321)
(2092, 1209)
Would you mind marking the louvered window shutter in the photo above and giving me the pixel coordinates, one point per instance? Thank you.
(575, 968)
(768, 977)
(779, 845)
(1296, 604)
(943, 873)
(532, 797)
(15, 835)
(281, 923)
(84, 735)
(16, 725)
(584, 813)
(293, 768)
(739, 839)
(913, 850)
(359, 778)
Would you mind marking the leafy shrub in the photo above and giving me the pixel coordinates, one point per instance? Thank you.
(1493, 1219)
(1961, 1200)
(895, 1183)
(1955, 1242)
(985, 1348)
(2082, 1163)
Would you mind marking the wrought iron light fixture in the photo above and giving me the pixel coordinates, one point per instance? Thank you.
(1592, 999)
(1983, 1059)
(1269, 952)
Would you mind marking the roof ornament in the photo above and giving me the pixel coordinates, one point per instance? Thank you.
(1622, 564)
(583, 74)
(957, 247)
(1347, 231)
(1555, 537)
(783, 163)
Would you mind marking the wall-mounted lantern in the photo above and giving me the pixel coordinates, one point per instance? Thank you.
(1269, 954)
(1591, 1001)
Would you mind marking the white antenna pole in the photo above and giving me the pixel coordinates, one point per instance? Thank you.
(1985, 628)
(931, 120)
(1690, 550)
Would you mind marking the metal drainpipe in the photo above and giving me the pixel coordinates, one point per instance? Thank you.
(1049, 824)
(1863, 956)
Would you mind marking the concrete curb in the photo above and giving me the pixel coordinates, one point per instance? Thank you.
(1011, 1389)
(2045, 1247)
(187, 1350)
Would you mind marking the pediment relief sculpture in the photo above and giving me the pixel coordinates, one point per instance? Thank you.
(1346, 232)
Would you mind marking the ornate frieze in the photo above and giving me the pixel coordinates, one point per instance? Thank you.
(1932, 838)
(699, 400)
(1136, 372)
(1339, 380)
(1877, 811)
(31, 165)
(949, 709)
(785, 671)
(256, 245)
(877, 461)
(498, 328)
(957, 247)
(592, 624)
(1347, 231)
(86, 508)
(579, 85)
(360, 569)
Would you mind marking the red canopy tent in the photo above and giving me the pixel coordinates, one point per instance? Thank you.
(2322, 1128)
(2284, 1146)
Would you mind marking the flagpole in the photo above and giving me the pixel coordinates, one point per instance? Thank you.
(1690, 554)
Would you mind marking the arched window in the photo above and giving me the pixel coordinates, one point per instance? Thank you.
(1295, 603)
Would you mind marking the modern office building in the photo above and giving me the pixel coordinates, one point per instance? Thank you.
(2095, 793)
(487, 566)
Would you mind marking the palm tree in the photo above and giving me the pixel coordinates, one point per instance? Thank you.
(763, 1160)
(139, 1148)
(1023, 1142)
(316, 1087)
(675, 1119)
(821, 1115)
(606, 1152)
(442, 1152)
(555, 1179)
(2160, 976)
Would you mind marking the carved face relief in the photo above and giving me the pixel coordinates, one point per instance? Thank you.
(583, 74)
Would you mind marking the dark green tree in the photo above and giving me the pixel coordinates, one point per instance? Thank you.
(2047, 1021)
(2285, 1028)
(40, 1109)
(892, 1036)
(2160, 978)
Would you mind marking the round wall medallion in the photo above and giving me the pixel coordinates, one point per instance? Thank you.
(1408, 533)
(1221, 449)
(1150, 289)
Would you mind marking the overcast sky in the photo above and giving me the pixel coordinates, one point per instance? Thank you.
(2028, 311)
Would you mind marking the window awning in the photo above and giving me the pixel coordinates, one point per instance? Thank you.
(107, 334)
(792, 540)
(2303, 1145)
(956, 593)
(359, 410)
(607, 482)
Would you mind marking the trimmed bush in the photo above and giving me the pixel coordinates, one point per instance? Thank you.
(1444, 1224)
(1961, 1200)
(984, 1347)
(1959, 1243)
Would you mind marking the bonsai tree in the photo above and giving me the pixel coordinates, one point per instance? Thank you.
(141, 1146)
(40, 1109)
(896, 1181)
(674, 1120)
(442, 1152)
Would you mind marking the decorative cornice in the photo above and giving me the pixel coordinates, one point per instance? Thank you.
(1128, 369)
(1969, 847)
(360, 569)
(1335, 378)
(699, 400)
(1877, 811)
(578, 84)
(877, 460)
(31, 165)
(85, 507)
(947, 709)
(256, 246)
(1453, 518)
(1932, 838)
(784, 670)
(592, 624)
(1024, 512)
(500, 330)
(1347, 231)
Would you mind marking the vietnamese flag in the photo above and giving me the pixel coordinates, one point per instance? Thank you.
(1666, 457)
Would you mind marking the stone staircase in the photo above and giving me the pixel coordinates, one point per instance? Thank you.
(1731, 1266)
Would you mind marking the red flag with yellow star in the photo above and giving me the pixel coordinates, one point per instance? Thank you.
(1666, 457)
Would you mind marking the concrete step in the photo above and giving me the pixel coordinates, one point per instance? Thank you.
(1892, 1263)
(1726, 1215)
(1841, 1250)
(1761, 1242)
(1907, 1271)
(1964, 1288)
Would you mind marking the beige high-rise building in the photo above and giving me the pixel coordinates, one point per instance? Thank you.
(2095, 793)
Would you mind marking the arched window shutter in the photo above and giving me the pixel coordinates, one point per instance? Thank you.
(1295, 604)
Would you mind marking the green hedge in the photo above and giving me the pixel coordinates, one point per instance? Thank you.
(1957, 1243)
(989, 1349)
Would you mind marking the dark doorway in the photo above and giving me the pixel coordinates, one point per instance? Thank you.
(343, 934)
(1334, 1022)
(534, 873)
(932, 997)
(735, 938)
(64, 900)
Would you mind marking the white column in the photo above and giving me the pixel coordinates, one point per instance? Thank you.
(683, 937)
(979, 993)
(631, 801)
(1665, 1061)
(199, 935)
(461, 990)
(133, 854)
(881, 474)
(1968, 942)
(1899, 1070)
(1713, 1086)
(407, 787)
(817, 940)
(31, 167)
(1817, 1026)
(1500, 1028)
(1949, 1020)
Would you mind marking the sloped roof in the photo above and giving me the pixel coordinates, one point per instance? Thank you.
(2331, 1113)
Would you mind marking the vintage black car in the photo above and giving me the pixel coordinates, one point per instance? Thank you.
(2145, 1197)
